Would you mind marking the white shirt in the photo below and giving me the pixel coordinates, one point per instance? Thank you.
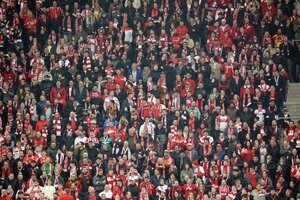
(147, 127)
(108, 194)
(80, 139)
(107, 101)
(260, 114)
(48, 191)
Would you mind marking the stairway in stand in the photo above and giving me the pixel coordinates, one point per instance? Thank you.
(293, 101)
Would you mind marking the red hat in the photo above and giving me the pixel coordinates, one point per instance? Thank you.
(195, 162)
(99, 170)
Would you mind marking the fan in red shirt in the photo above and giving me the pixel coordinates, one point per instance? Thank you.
(30, 24)
(268, 6)
(94, 93)
(175, 40)
(5, 170)
(188, 188)
(290, 131)
(41, 123)
(4, 195)
(39, 140)
(111, 84)
(224, 83)
(118, 188)
(224, 28)
(57, 89)
(119, 79)
(228, 69)
(249, 29)
(66, 196)
(148, 185)
(54, 11)
(211, 41)
(247, 152)
(190, 81)
(75, 181)
(157, 109)
(111, 130)
(226, 41)
(182, 29)
(109, 69)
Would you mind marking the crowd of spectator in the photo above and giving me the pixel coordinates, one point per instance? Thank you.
(148, 99)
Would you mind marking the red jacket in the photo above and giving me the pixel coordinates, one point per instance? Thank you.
(149, 187)
(39, 125)
(223, 85)
(6, 197)
(66, 197)
(247, 155)
(182, 30)
(268, 8)
(54, 91)
(175, 40)
(188, 189)
(110, 86)
(295, 173)
(77, 183)
(121, 80)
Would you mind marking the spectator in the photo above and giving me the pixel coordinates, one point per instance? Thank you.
(94, 94)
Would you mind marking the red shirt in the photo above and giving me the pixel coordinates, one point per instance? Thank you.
(6, 197)
(66, 197)
(53, 11)
(39, 125)
(110, 86)
(188, 189)
(182, 30)
(121, 80)
(149, 187)
(175, 40)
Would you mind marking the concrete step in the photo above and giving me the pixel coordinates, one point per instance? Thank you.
(294, 108)
(293, 92)
(293, 98)
(291, 102)
(293, 86)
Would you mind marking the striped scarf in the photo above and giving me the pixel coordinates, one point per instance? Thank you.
(88, 63)
(44, 133)
(67, 23)
(246, 100)
(76, 25)
(31, 110)
(57, 126)
(53, 37)
(26, 124)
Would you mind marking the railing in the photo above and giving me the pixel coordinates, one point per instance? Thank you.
(280, 118)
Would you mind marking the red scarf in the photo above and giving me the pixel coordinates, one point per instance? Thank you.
(192, 123)
(154, 12)
(57, 126)
(248, 100)
(10, 110)
(207, 150)
(26, 125)
(69, 25)
(212, 105)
